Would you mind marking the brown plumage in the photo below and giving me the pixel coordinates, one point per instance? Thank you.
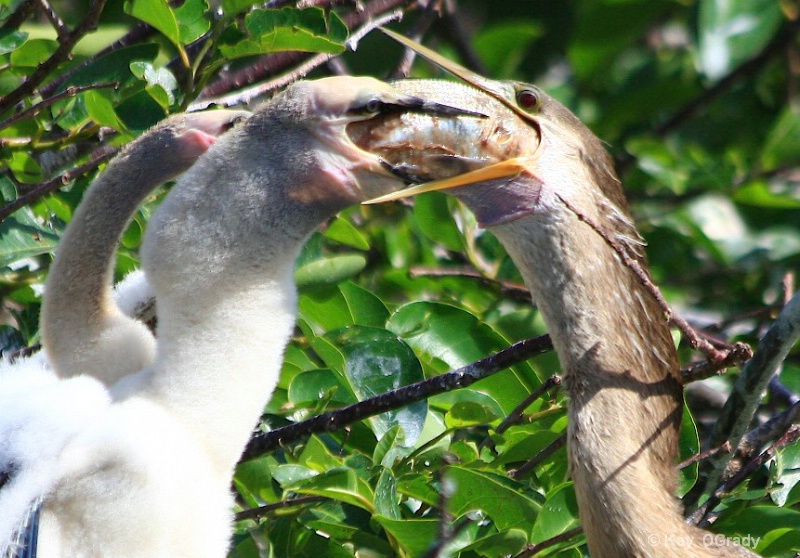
(613, 340)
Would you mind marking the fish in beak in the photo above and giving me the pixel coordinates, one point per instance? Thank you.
(497, 165)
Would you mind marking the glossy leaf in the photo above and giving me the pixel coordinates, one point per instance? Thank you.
(559, 513)
(329, 271)
(447, 337)
(307, 30)
(492, 494)
(33, 52)
(22, 236)
(158, 14)
(375, 361)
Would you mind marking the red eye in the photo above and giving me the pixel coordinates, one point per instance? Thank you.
(527, 99)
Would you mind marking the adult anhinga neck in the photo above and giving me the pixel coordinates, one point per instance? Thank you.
(554, 201)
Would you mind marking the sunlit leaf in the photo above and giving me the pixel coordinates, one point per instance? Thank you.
(732, 31)
(307, 30)
(492, 494)
(156, 13)
(11, 39)
(33, 52)
(375, 361)
(22, 236)
(559, 513)
(192, 20)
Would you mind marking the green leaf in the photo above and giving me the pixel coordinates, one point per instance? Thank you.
(329, 270)
(318, 385)
(25, 167)
(447, 338)
(756, 526)
(386, 499)
(414, 535)
(255, 477)
(376, 361)
(342, 231)
(340, 484)
(161, 83)
(11, 39)
(33, 53)
(507, 543)
(468, 413)
(101, 110)
(158, 14)
(434, 219)
(192, 21)
(113, 67)
(493, 494)
(307, 30)
(782, 147)
(21, 236)
(758, 194)
(559, 513)
(503, 46)
(733, 31)
(689, 444)
(232, 7)
(341, 306)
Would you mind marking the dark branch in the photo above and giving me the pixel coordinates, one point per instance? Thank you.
(62, 54)
(334, 420)
(44, 103)
(51, 186)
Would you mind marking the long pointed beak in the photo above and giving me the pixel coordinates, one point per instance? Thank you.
(504, 169)
(417, 104)
(488, 86)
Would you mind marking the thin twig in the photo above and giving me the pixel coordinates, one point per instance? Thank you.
(137, 34)
(255, 513)
(701, 102)
(696, 341)
(50, 186)
(546, 452)
(278, 62)
(514, 291)
(726, 447)
(516, 415)
(70, 91)
(700, 515)
(247, 95)
(264, 443)
(61, 54)
(58, 24)
(534, 549)
(23, 12)
(739, 354)
(739, 409)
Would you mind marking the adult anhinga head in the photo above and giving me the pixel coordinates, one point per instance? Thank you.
(544, 184)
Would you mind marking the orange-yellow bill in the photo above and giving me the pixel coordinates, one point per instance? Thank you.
(503, 169)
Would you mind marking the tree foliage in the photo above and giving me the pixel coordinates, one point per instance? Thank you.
(697, 101)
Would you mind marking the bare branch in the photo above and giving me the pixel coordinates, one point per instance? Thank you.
(247, 95)
(71, 91)
(738, 412)
(41, 190)
(532, 550)
(61, 54)
(55, 20)
(264, 443)
(700, 515)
